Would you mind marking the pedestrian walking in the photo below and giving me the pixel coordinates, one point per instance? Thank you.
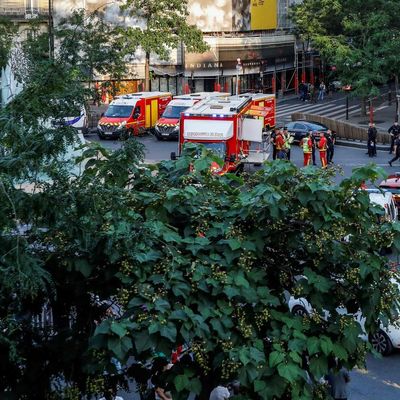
(303, 91)
(306, 144)
(396, 151)
(288, 142)
(322, 90)
(372, 134)
(280, 145)
(322, 147)
(331, 139)
(338, 380)
(394, 132)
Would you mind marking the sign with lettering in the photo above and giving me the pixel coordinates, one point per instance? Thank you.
(207, 129)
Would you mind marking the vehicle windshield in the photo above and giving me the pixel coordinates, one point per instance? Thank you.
(114, 111)
(174, 111)
(391, 189)
(218, 149)
(315, 127)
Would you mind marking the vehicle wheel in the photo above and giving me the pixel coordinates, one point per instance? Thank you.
(381, 342)
(101, 137)
(299, 311)
(159, 138)
(85, 130)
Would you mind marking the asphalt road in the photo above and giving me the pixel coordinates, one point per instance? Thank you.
(347, 157)
(381, 378)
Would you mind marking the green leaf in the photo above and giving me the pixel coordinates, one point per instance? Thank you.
(181, 382)
(83, 267)
(326, 345)
(118, 329)
(169, 331)
(313, 345)
(290, 371)
(275, 358)
(142, 341)
(240, 280)
(234, 244)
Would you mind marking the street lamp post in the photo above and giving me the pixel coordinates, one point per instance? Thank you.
(397, 106)
(238, 70)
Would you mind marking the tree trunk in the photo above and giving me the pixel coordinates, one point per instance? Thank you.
(363, 107)
(147, 72)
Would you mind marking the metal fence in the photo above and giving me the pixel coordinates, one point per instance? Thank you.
(344, 130)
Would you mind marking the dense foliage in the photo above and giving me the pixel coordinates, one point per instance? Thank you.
(360, 37)
(7, 31)
(116, 260)
(192, 259)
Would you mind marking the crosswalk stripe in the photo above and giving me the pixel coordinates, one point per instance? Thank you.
(305, 106)
(322, 110)
(352, 109)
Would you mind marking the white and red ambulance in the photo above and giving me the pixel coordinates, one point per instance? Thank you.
(132, 114)
(167, 127)
(227, 128)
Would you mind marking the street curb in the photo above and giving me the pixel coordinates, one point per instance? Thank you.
(360, 145)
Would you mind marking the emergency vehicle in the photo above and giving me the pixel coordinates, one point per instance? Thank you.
(226, 127)
(264, 103)
(132, 114)
(167, 127)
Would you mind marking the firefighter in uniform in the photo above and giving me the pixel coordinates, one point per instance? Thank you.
(322, 147)
(288, 142)
(306, 144)
(280, 144)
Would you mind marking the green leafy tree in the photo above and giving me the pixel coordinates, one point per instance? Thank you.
(191, 259)
(7, 32)
(359, 37)
(119, 261)
(161, 26)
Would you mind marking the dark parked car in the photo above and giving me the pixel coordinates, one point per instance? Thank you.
(300, 128)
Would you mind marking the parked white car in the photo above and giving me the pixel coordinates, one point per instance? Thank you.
(384, 341)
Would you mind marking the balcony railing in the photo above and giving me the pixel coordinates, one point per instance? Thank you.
(23, 13)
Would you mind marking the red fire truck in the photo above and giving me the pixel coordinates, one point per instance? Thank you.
(167, 127)
(266, 103)
(226, 127)
(132, 114)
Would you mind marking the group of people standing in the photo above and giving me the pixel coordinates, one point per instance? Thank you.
(325, 146)
(282, 142)
(394, 132)
(308, 91)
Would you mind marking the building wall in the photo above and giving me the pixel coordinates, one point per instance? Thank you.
(255, 31)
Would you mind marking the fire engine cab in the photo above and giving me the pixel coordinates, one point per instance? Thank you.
(226, 127)
(132, 114)
(167, 127)
(264, 103)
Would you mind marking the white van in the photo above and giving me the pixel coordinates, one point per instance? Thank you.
(80, 122)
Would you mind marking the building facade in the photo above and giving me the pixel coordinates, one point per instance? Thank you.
(250, 47)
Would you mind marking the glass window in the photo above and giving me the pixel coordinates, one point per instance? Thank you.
(174, 111)
(114, 111)
(218, 148)
(316, 127)
(300, 127)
